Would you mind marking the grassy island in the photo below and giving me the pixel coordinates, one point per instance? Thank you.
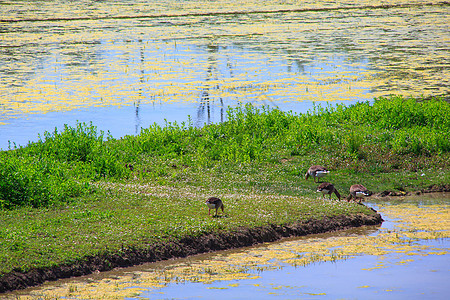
(78, 200)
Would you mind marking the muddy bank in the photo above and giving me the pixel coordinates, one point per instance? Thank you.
(431, 189)
(241, 237)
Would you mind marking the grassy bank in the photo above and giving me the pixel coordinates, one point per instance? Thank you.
(77, 193)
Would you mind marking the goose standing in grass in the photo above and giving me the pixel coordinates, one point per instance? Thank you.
(328, 188)
(316, 172)
(358, 191)
(214, 203)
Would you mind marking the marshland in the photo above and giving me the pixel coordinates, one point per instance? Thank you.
(117, 125)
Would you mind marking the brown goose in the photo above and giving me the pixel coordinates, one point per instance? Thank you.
(316, 172)
(328, 188)
(358, 191)
(214, 203)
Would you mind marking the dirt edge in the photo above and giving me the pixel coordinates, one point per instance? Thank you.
(240, 237)
(434, 188)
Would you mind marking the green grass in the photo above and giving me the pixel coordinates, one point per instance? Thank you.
(78, 192)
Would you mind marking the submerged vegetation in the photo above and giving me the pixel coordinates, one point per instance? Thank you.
(78, 193)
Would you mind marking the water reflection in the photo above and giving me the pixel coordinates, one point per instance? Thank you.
(204, 109)
(198, 65)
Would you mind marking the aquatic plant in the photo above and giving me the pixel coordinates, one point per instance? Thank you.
(161, 65)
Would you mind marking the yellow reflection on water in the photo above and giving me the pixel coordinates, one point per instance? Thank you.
(412, 223)
(56, 64)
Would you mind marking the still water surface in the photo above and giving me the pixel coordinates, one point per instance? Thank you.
(126, 65)
(406, 258)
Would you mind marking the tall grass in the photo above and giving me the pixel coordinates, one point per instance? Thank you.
(62, 164)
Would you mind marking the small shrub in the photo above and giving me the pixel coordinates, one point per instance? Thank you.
(35, 182)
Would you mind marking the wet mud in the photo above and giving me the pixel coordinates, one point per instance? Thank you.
(431, 189)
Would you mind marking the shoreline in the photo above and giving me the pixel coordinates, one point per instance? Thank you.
(240, 237)
(435, 188)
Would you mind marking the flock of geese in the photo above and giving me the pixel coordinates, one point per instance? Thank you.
(357, 191)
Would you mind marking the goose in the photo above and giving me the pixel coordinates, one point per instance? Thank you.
(316, 172)
(358, 191)
(214, 203)
(328, 188)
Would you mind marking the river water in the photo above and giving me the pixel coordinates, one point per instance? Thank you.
(407, 257)
(125, 65)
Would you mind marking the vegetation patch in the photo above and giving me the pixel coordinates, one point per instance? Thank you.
(78, 196)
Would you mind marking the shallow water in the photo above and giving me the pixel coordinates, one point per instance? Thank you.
(405, 258)
(126, 65)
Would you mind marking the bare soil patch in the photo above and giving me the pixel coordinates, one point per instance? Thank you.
(435, 188)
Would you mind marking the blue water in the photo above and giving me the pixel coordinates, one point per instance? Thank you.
(126, 120)
(424, 278)
(311, 57)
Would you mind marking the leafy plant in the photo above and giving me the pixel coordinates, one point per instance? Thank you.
(357, 138)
